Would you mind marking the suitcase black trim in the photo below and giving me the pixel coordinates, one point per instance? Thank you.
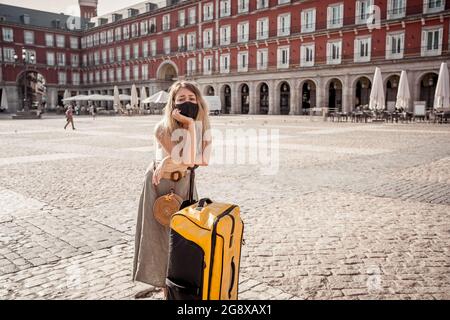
(213, 246)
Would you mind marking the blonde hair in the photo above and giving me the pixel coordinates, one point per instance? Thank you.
(168, 123)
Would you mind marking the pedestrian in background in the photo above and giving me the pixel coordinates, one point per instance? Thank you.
(69, 117)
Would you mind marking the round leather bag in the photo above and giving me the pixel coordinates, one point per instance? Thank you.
(165, 206)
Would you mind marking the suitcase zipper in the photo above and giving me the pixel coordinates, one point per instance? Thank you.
(213, 244)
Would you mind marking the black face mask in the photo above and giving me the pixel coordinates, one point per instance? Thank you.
(188, 109)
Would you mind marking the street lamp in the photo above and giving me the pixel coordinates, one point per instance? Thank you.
(25, 63)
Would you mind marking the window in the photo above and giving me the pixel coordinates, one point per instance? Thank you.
(284, 25)
(119, 74)
(308, 18)
(363, 11)
(362, 49)
(153, 48)
(136, 51)
(75, 78)
(432, 41)
(111, 55)
(334, 52)
(136, 72)
(111, 75)
(283, 1)
(8, 35)
(96, 39)
(103, 37)
(335, 16)
(97, 76)
(61, 59)
(127, 74)
(225, 8)
(243, 61)
(91, 77)
(191, 67)
(85, 60)
(262, 29)
(208, 12)
(75, 59)
(394, 45)
(181, 18)
(145, 49)
(430, 6)
(60, 41)
(144, 69)
(51, 58)
(181, 43)
(8, 54)
(49, 40)
(144, 28)
(97, 57)
(83, 43)
(74, 43)
(119, 54)
(261, 59)
(126, 32)
(191, 41)
(225, 33)
(62, 78)
(243, 32)
(192, 19)
(396, 9)
(167, 45)
(261, 4)
(110, 36)
(29, 37)
(104, 76)
(307, 55)
(283, 58)
(127, 53)
(118, 34)
(135, 30)
(91, 59)
(243, 6)
(207, 38)
(207, 65)
(166, 22)
(28, 56)
(225, 63)
(85, 78)
(104, 56)
(152, 25)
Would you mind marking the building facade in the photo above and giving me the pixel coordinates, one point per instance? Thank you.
(259, 56)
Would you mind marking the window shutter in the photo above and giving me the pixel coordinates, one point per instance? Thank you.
(425, 6)
(288, 23)
(358, 10)
(314, 20)
(329, 15)
(356, 50)
(341, 14)
(402, 44)
(424, 42)
(369, 49)
(440, 40)
(303, 20)
(328, 52)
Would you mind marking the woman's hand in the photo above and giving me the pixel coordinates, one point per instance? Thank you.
(176, 114)
(157, 174)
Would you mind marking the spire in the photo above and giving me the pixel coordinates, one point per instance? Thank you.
(88, 8)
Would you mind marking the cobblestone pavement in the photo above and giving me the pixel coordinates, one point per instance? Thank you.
(353, 211)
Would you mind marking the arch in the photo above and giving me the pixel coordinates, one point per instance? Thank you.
(209, 91)
(32, 89)
(362, 87)
(225, 97)
(167, 71)
(427, 88)
(244, 98)
(284, 94)
(334, 87)
(262, 94)
(308, 95)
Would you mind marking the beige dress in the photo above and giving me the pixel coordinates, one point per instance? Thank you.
(152, 239)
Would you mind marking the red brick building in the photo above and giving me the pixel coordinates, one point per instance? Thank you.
(259, 56)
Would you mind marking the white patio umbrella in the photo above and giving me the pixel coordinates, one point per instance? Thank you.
(143, 96)
(124, 97)
(134, 96)
(66, 95)
(442, 93)
(99, 97)
(159, 97)
(4, 102)
(377, 93)
(403, 94)
(117, 105)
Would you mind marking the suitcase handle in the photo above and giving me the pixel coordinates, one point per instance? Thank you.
(201, 203)
(233, 271)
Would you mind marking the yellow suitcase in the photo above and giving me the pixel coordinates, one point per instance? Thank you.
(205, 252)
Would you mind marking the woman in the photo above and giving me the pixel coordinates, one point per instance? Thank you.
(174, 152)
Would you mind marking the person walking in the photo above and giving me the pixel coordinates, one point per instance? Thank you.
(185, 111)
(69, 117)
(93, 111)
